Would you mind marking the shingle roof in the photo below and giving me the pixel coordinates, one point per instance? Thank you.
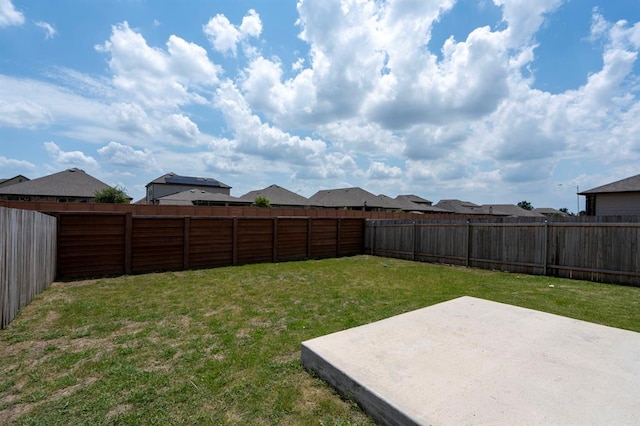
(509, 210)
(407, 205)
(548, 211)
(351, 197)
(278, 196)
(463, 207)
(174, 179)
(414, 199)
(630, 184)
(68, 183)
(189, 196)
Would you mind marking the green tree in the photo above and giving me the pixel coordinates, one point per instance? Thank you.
(262, 201)
(566, 211)
(113, 195)
(525, 205)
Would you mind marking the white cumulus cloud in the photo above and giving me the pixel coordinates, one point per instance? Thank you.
(225, 37)
(9, 15)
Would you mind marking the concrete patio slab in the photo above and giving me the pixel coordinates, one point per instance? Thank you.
(470, 361)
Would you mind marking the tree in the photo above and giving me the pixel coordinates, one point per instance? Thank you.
(262, 201)
(111, 195)
(566, 211)
(525, 205)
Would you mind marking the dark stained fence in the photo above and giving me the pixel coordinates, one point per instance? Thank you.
(27, 259)
(101, 244)
(600, 251)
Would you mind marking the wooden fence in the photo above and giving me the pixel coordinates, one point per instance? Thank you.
(27, 259)
(100, 244)
(595, 251)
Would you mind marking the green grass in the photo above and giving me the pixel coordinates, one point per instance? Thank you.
(222, 346)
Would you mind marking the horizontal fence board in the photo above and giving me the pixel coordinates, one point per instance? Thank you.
(130, 244)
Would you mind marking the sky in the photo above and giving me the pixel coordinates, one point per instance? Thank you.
(488, 101)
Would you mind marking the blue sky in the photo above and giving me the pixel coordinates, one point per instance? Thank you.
(486, 101)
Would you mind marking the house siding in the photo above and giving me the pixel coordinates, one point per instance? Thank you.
(617, 204)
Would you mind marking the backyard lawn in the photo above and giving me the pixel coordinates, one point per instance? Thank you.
(222, 346)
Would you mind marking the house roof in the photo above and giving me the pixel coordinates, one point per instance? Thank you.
(413, 199)
(630, 184)
(351, 197)
(12, 181)
(406, 204)
(463, 207)
(548, 211)
(174, 179)
(190, 196)
(278, 196)
(509, 210)
(68, 183)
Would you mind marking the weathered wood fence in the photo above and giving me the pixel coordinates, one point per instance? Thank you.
(100, 244)
(596, 251)
(27, 259)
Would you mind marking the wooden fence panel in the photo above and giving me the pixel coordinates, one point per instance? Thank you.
(292, 239)
(324, 238)
(351, 237)
(510, 247)
(90, 244)
(255, 238)
(441, 243)
(601, 251)
(157, 244)
(211, 242)
(27, 259)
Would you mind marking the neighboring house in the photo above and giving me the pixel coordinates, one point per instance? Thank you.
(415, 204)
(462, 207)
(618, 198)
(199, 197)
(172, 183)
(12, 181)
(71, 185)
(509, 210)
(549, 212)
(352, 199)
(278, 197)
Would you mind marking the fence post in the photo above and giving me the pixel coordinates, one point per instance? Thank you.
(468, 243)
(128, 236)
(186, 242)
(546, 246)
(373, 238)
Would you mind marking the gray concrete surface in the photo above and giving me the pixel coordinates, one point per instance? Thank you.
(470, 361)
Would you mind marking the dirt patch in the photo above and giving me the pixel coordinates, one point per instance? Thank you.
(117, 410)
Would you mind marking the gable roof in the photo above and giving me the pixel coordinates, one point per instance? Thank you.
(174, 179)
(190, 196)
(278, 196)
(351, 197)
(12, 181)
(405, 203)
(459, 206)
(414, 199)
(630, 184)
(68, 183)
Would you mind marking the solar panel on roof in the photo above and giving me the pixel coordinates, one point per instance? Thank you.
(193, 181)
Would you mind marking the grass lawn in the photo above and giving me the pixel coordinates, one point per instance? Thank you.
(222, 346)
